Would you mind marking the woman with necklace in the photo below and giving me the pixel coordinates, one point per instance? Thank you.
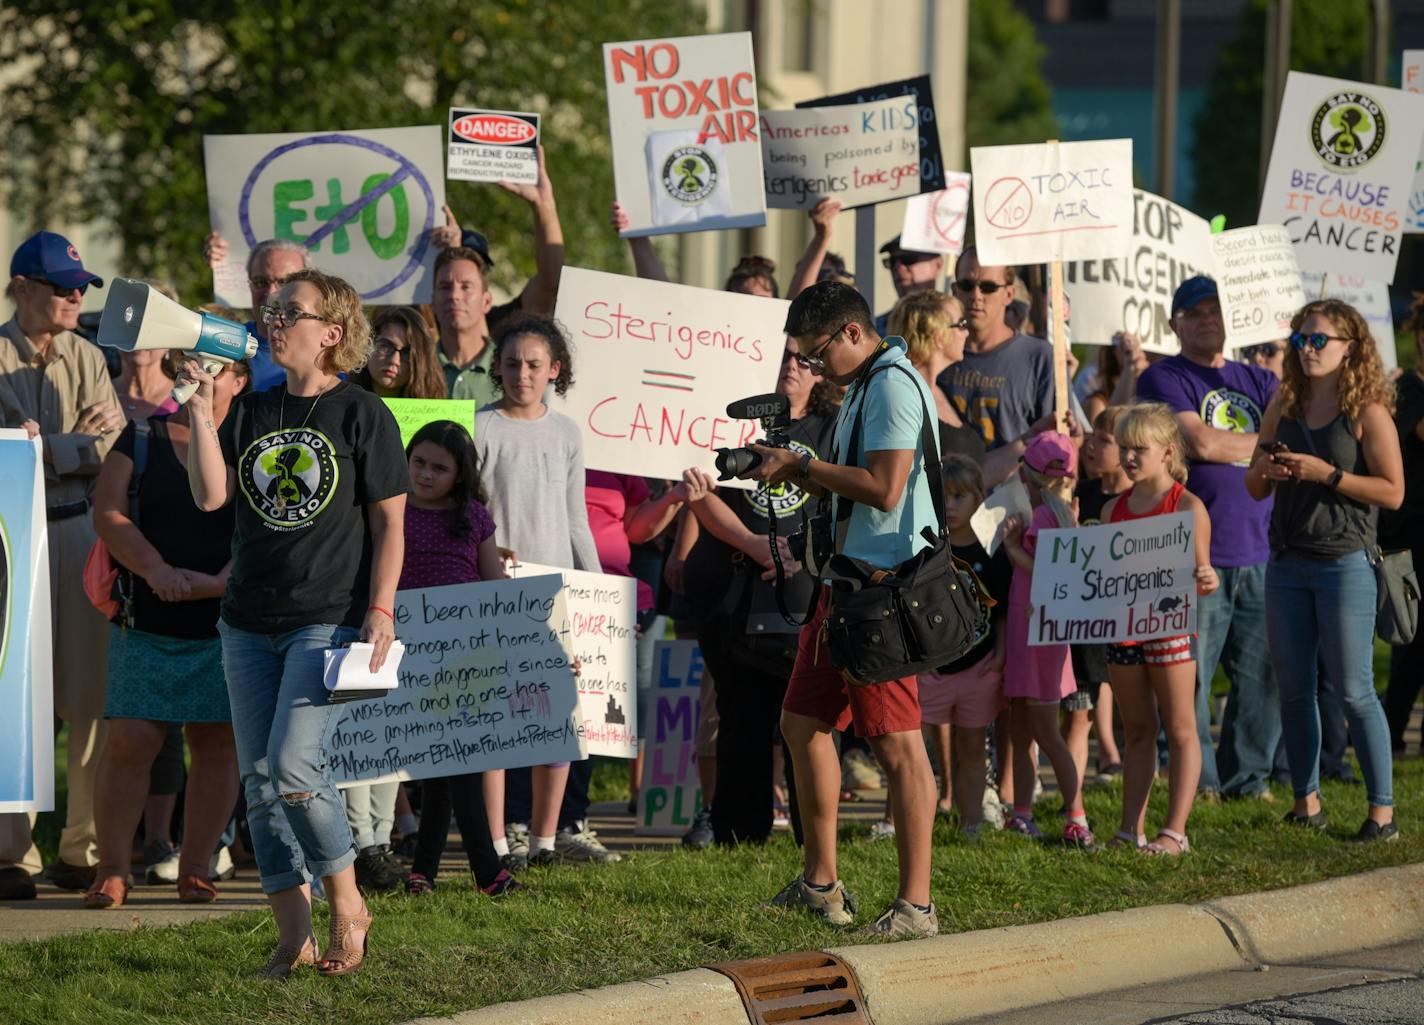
(316, 469)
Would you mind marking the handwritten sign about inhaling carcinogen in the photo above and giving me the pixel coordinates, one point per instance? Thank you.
(658, 364)
(1131, 581)
(486, 683)
(861, 154)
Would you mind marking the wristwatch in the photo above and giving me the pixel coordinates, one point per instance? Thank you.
(1334, 481)
(804, 470)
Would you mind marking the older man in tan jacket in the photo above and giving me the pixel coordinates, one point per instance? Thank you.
(56, 384)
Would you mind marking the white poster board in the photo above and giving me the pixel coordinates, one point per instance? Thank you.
(935, 221)
(670, 794)
(493, 146)
(363, 202)
(1371, 298)
(859, 153)
(1342, 167)
(682, 120)
(1131, 581)
(1052, 201)
(1008, 499)
(1258, 283)
(486, 683)
(26, 654)
(1411, 74)
(1134, 294)
(603, 616)
(657, 365)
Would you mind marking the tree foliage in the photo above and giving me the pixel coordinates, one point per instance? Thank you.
(1007, 99)
(1327, 38)
(104, 105)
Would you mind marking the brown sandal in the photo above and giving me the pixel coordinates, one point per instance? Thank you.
(342, 959)
(196, 890)
(108, 892)
(285, 958)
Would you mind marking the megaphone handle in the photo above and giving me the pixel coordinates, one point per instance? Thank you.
(183, 392)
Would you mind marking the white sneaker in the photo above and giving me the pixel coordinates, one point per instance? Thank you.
(991, 811)
(882, 830)
(221, 867)
(517, 833)
(160, 863)
(581, 844)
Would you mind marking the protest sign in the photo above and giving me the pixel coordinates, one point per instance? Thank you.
(26, 666)
(934, 221)
(1258, 283)
(658, 364)
(682, 120)
(1052, 201)
(933, 176)
(1134, 293)
(493, 146)
(669, 794)
(1008, 499)
(363, 202)
(413, 414)
(1371, 298)
(1130, 581)
(1342, 166)
(603, 614)
(861, 154)
(486, 683)
(1411, 74)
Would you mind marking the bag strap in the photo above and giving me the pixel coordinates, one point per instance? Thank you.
(142, 430)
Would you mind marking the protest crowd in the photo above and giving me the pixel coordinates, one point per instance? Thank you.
(225, 595)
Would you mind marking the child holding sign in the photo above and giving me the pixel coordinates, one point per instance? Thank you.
(1037, 678)
(1153, 458)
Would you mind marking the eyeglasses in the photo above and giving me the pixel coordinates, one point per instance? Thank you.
(968, 285)
(962, 324)
(60, 291)
(815, 362)
(1266, 350)
(262, 284)
(1316, 340)
(276, 316)
(387, 349)
(908, 259)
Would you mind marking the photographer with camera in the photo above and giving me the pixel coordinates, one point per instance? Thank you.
(884, 515)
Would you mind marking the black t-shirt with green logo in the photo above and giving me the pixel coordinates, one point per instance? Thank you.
(306, 469)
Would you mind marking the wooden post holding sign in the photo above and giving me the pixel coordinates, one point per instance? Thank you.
(1060, 347)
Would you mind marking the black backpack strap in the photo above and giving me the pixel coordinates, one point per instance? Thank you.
(142, 431)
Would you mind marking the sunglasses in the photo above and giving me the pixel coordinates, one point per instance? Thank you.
(60, 291)
(263, 283)
(816, 362)
(1316, 341)
(276, 316)
(967, 286)
(908, 259)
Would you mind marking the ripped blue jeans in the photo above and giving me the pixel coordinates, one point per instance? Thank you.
(283, 725)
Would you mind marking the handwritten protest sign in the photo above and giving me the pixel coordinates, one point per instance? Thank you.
(486, 683)
(682, 116)
(669, 794)
(1342, 166)
(1258, 283)
(1134, 294)
(933, 176)
(26, 670)
(363, 202)
(1052, 201)
(1371, 298)
(658, 364)
(1130, 581)
(413, 414)
(1411, 74)
(603, 614)
(494, 146)
(861, 153)
(934, 221)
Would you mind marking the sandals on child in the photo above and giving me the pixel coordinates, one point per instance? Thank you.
(1180, 839)
(1122, 838)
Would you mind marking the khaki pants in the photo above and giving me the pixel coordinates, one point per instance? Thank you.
(81, 652)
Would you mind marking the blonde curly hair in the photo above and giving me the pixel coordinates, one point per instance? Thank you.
(340, 305)
(920, 318)
(1362, 380)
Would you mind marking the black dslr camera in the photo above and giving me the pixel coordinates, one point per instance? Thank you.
(774, 412)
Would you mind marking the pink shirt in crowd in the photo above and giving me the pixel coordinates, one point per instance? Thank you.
(609, 496)
(433, 557)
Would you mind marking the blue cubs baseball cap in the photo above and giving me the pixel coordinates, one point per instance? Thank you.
(54, 258)
(1191, 292)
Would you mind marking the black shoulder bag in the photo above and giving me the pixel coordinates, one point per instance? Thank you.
(123, 591)
(884, 624)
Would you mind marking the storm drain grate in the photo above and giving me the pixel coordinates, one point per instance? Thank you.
(811, 986)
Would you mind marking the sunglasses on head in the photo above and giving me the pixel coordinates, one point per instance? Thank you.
(968, 285)
(1316, 340)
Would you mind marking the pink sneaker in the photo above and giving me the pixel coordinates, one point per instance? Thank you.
(1023, 826)
(1075, 835)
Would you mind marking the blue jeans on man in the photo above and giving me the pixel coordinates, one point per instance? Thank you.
(1231, 630)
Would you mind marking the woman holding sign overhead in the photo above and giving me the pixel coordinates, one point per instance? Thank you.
(317, 473)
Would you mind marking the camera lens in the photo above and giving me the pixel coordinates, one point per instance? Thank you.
(736, 462)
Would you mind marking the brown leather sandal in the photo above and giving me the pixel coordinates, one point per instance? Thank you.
(341, 958)
(108, 892)
(285, 958)
(196, 890)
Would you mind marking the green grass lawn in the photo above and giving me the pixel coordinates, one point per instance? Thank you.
(665, 911)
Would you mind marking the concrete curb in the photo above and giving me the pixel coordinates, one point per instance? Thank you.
(971, 975)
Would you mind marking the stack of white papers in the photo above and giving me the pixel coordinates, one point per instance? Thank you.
(348, 677)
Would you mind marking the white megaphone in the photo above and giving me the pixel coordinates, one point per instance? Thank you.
(137, 316)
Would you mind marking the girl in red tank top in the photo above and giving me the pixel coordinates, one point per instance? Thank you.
(1163, 668)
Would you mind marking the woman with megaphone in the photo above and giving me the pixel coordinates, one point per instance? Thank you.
(316, 557)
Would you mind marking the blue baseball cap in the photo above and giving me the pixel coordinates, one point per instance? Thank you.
(1191, 292)
(54, 258)
(475, 240)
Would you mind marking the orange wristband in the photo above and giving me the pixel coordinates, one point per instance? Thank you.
(386, 612)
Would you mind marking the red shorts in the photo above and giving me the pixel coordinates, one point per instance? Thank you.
(818, 690)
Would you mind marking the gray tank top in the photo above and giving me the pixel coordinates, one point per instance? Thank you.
(1315, 520)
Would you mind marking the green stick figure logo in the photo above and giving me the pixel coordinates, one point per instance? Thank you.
(689, 175)
(1228, 410)
(1347, 131)
(786, 498)
(288, 477)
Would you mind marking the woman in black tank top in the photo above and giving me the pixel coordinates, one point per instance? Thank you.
(1330, 455)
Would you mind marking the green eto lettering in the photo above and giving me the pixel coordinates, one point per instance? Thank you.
(391, 245)
(340, 243)
(284, 216)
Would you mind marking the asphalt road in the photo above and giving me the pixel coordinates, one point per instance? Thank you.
(1375, 1003)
